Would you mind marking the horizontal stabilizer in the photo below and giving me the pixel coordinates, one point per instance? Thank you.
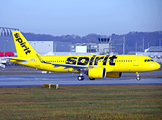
(18, 60)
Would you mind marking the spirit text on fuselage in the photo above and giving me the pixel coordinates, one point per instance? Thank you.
(91, 60)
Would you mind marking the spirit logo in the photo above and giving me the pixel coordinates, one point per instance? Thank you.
(22, 44)
(91, 60)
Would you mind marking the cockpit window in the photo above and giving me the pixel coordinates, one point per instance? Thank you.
(148, 60)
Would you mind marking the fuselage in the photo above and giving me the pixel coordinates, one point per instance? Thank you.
(112, 63)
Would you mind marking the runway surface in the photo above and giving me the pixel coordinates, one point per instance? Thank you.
(71, 79)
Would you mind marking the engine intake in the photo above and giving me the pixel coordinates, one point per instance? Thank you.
(97, 72)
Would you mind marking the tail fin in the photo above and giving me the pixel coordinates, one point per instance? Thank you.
(23, 48)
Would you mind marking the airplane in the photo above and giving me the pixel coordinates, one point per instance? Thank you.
(95, 66)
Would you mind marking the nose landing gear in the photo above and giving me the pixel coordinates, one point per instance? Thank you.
(138, 77)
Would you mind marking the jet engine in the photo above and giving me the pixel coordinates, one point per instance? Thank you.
(114, 74)
(97, 72)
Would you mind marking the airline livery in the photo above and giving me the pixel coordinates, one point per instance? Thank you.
(95, 66)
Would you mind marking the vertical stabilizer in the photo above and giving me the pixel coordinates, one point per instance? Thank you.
(23, 48)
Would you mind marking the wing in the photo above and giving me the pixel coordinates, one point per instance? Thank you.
(75, 67)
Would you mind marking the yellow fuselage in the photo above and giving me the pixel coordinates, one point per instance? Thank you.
(112, 63)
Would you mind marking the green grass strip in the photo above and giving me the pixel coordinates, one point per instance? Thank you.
(82, 102)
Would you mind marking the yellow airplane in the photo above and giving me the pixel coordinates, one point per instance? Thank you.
(95, 66)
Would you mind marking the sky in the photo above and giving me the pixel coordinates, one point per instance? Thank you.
(81, 17)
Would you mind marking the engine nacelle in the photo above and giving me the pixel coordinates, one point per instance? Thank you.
(97, 72)
(114, 75)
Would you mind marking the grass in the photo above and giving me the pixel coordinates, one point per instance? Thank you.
(82, 102)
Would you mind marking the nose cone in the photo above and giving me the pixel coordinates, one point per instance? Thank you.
(155, 66)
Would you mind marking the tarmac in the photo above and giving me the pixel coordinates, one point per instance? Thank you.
(64, 79)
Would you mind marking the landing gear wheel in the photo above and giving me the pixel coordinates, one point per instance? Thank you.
(92, 78)
(80, 78)
(138, 78)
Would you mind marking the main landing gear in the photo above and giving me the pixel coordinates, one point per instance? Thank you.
(138, 77)
(81, 77)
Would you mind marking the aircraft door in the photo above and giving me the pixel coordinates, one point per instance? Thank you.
(136, 61)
